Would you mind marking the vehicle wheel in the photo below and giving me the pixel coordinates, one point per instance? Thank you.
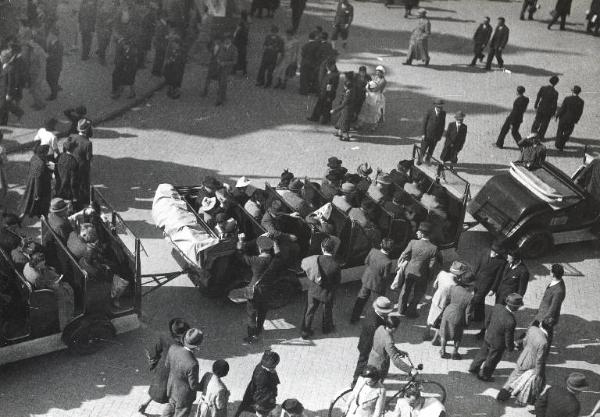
(535, 244)
(281, 293)
(90, 336)
(339, 406)
(429, 389)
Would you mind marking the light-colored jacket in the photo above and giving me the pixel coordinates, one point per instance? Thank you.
(365, 400)
(534, 351)
(214, 402)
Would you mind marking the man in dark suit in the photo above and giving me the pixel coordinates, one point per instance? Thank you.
(376, 277)
(545, 106)
(183, 382)
(552, 300)
(308, 64)
(560, 401)
(500, 336)
(488, 269)
(480, 40)
(324, 275)
(375, 317)
(329, 84)
(529, 6)
(297, 7)
(497, 44)
(433, 129)
(561, 10)
(568, 115)
(260, 396)
(514, 279)
(83, 153)
(272, 53)
(514, 119)
(456, 134)
(423, 258)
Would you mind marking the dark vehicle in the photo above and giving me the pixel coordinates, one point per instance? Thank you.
(32, 328)
(535, 210)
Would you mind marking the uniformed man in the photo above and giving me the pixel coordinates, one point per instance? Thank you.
(341, 24)
(273, 49)
(514, 119)
(480, 39)
(545, 106)
(568, 115)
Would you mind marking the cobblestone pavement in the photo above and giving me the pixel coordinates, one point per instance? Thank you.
(260, 132)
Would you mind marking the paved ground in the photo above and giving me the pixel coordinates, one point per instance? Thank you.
(261, 132)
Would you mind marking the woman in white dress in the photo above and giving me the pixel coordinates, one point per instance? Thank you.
(373, 109)
(368, 396)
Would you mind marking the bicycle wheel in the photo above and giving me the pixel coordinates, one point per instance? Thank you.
(429, 389)
(339, 406)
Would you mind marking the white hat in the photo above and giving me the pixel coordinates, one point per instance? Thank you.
(208, 203)
(242, 182)
(380, 68)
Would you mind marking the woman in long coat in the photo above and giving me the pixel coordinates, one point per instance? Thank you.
(455, 317)
(38, 190)
(286, 68)
(418, 46)
(156, 355)
(442, 286)
(345, 109)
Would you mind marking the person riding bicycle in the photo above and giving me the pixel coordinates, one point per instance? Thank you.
(415, 405)
(368, 395)
(384, 350)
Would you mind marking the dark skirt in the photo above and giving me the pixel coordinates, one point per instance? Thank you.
(343, 122)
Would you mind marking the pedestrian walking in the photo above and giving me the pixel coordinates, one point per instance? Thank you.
(409, 5)
(489, 267)
(559, 401)
(552, 299)
(433, 129)
(182, 382)
(345, 113)
(375, 317)
(593, 18)
(126, 65)
(260, 396)
(514, 279)
(273, 49)
(368, 395)
(215, 395)
(527, 380)
(418, 46)
(36, 73)
(83, 153)
(568, 115)
(308, 65)
(514, 119)
(54, 62)
(480, 40)
(384, 350)
(545, 105)
(344, 15)
(533, 152)
(87, 26)
(324, 275)
(376, 278)
(288, 64)
(106, 19)
(67, 172)
(157, 355)
(38, 186)
(297, 7)
(529, 6)
(457, 315)
(322, 110)
(240, 41)
(561, 10)
(497, 44)
(160, 42)
(10, 87)
(499, 337)
(174, 65)
(456, 135)
(416, 268)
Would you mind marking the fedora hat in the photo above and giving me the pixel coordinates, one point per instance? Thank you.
(242, 182)
(458, 268)
(292, 406)
(58, 205)
(193, 338)
(514, 300)
(348, 188)
(178, 327)
(334, 162)
(208, 203)
(576, 381)
(383, 305)
(270, 359)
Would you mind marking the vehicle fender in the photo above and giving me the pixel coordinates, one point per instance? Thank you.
(80, 321)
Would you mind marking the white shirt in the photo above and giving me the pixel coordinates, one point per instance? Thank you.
(47, 138)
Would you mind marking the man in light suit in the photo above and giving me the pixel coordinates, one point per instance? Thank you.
(545, 106)
(433, 129)
(568, 115)
(183, 382)
(376, 278)
(423, 257)
(456, 135)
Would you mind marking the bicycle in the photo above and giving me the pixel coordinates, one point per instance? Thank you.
(428, 388)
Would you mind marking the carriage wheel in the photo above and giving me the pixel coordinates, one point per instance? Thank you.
(339, 406)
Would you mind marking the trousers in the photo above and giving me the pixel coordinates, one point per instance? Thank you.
(540, 124)
(86, 44)
(514, 130)
(312, 305)
(495, 52)
(173, 409)
(415, 285)
(487, 359)
(361, 301)
(563, 133)
(267, 66)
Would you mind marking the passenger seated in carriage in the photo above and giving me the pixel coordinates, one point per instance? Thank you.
(104, 286)
(363, 171)
(83, 240)
(292, 196)
(288, 243)
(284, 181)
(346, 199)
(226, 227)
(21, 255)
(334, 165)
(330, 188)
(381, 190)
(255, 206)
(401, 175)
(242, 191)
(395, 206)
(209, 208)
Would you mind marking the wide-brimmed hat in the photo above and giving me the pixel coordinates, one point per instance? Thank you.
(264, 243)
(348, 188)
(193, 338)
(425, 227)
(438, 102)
(208, 203)
(458, 268)
(242, 182)
(296, 185)
(459, 115)
(383, 305)
(364, 169)
(380, 68)
(577, 381)
(514, 300)
(421, 12)
(58, 205)
(270, 359)
(292, 406)
(334, 162)
(178, 327)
